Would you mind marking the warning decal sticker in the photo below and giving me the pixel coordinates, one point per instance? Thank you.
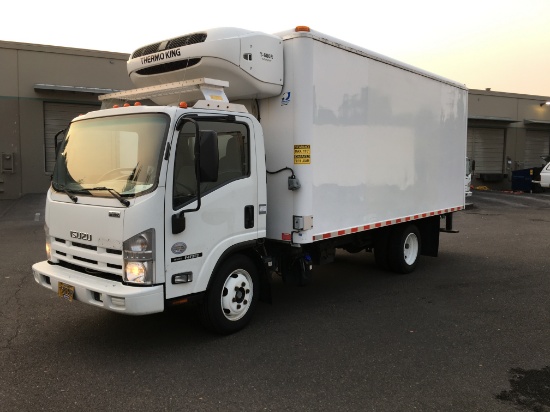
(302, 154)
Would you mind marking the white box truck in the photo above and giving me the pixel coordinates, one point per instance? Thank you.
(242, 155)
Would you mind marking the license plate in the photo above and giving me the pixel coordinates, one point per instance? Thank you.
(65, 291)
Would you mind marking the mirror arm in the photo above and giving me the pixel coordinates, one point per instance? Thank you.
(178, 219)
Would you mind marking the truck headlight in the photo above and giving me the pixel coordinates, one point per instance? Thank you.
(139, 258)
(136, 272)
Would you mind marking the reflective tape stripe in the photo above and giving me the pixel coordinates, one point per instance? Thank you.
(370, 226)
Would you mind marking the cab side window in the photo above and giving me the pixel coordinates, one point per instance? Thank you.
(234, 158)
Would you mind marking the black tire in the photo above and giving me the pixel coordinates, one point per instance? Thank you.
(404, 249)
(231, 300)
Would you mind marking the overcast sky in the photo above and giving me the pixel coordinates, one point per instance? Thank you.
(499, 44)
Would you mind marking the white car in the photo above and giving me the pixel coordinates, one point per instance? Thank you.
(545, 176)
(468, 179)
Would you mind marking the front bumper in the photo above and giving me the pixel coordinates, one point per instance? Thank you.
(106, 294)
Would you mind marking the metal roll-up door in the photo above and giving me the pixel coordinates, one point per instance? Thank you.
(486, 147)
(537, 144)
(57, 116)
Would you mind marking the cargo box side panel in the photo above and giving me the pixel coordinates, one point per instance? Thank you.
(369, 141)
(387, 143)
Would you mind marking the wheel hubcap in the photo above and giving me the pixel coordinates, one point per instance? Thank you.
(236, 294)
(410, 249)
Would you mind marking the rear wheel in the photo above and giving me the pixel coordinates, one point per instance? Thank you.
(231, 300)
(404, 249)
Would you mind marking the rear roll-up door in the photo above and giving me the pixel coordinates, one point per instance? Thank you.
(537, 144)
(486, 147)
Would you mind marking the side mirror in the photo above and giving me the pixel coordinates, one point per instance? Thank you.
(210, 159)
(178, 223)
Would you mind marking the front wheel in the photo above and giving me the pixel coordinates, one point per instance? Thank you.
(404, 249)
(232, 297)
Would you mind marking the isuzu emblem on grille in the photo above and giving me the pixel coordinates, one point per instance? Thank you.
(81, 236)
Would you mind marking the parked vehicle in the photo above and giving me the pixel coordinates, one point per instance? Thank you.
(202, 189)
(545, 174)
(468, 179)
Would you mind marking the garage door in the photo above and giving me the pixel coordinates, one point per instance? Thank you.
(537, 144)
(486, 147)
(57, 116)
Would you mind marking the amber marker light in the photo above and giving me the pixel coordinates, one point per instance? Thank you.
(302, 28)
(183, 105)
(180, 301)
(116, 106)
(126, 104)
(137, 104)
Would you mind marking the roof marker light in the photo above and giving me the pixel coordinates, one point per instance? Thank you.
(183, 105)
(137, 104)
(302, 28)
(115, 106)
(126, 104)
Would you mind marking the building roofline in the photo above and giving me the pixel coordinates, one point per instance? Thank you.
(76, 89)
(492, 119)
(536, 122)
(44, 48)
(505, 94)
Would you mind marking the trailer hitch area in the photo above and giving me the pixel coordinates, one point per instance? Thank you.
(448, 224)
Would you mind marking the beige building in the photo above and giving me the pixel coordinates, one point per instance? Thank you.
(506, 132)
(43, 87)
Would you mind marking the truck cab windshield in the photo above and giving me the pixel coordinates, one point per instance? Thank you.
(119, 153)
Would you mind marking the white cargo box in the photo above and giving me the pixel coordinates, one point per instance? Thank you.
(373, 141)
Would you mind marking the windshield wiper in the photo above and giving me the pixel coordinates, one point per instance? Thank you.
(115, 194)
(67, 192)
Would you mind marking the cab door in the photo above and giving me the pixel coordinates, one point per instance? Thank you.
(228, 212)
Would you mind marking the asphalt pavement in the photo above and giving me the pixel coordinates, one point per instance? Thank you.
(467, 331)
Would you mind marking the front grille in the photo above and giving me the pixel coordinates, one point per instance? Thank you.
(171, 44)
(96, 273)
(89, 259)
(83, 246)
(93, 262)
(168, 67)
